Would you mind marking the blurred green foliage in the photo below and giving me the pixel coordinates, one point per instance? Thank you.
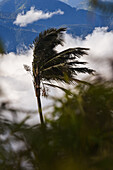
(1, 47)
(79, 135)
(103, 5)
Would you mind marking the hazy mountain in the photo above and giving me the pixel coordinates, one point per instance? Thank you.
(78, 22)
(76, 3)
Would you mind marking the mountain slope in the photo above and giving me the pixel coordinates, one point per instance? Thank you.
(16, 6)
(78, 22)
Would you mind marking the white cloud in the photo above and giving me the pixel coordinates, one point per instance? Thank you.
(34, 15)
(14, 79)
(101, 51)
(17, 84)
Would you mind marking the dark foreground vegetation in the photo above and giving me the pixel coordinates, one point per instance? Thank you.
(79, 135)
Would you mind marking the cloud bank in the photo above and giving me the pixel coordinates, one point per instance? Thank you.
(17, 83)
(101, 51)
(34, 15)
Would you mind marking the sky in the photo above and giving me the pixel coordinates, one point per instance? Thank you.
(80, 3)
(73, 3)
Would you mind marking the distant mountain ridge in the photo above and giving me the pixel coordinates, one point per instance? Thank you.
(78, 22)
(16, 6)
